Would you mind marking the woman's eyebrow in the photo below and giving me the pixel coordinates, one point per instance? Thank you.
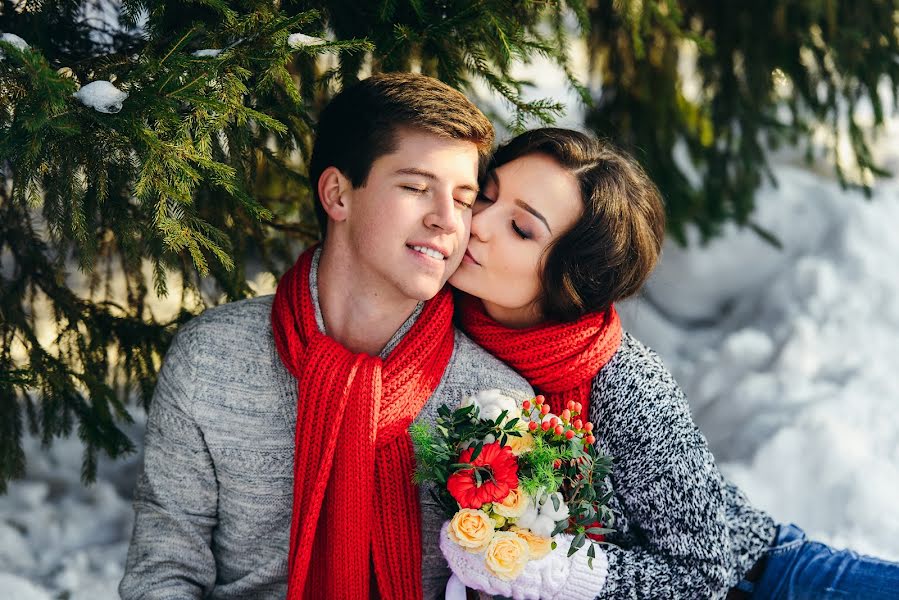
(534, 212)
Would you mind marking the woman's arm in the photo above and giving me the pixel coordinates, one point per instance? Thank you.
(674, 498)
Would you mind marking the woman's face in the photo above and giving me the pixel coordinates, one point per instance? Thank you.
(525, 205)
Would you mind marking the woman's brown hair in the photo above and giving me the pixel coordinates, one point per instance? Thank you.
(610, 251)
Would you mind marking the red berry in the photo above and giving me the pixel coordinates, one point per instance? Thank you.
(578, 407)
(553, 422)
(569, 434)
(526, 405)
(590, 439)
(588, 427)
(545, 426)
(566, 415)
(557, 464)
(559, 430)
(578, 424)
(570, 405)
(532, 425)
(544, 409)
(539, 399)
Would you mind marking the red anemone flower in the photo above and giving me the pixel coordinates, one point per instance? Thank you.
(494, 460)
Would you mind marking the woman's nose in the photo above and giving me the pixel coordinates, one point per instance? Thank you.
(481, 226)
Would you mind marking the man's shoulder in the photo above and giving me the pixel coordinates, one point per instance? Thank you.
(234, 330)
(232, 319)
(477, 369)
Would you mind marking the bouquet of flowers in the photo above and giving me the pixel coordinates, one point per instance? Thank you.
(511, 476)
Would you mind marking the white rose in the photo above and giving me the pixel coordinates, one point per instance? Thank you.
(493, 403)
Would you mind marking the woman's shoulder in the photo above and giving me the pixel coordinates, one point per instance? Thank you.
(639, 408)
(634, 364)
(635, 381)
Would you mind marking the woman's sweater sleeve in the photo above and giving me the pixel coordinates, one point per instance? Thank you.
(666, 481)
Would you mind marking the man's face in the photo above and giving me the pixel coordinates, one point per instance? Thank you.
(407, 227)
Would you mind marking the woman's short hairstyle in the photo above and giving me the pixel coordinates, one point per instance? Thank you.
(610, 251)
(360, 124)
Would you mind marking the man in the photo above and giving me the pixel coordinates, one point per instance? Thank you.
(277, 459)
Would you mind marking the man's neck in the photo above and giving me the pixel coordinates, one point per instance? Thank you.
(356, 314)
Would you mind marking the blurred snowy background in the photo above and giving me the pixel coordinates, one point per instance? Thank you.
(788, 357)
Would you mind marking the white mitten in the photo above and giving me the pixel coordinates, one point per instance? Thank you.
(556, 576)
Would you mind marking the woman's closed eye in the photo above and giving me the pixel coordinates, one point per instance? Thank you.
(522, 233)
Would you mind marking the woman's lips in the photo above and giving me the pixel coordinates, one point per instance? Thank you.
(469, 258)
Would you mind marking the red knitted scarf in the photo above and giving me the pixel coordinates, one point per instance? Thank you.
(559, 360)
(355, 507)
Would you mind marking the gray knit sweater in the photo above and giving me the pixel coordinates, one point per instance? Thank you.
(682, 530)
(213, 501)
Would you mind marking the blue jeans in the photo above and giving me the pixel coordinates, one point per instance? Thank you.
(799, 569)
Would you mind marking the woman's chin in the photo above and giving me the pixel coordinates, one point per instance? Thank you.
(461, 282)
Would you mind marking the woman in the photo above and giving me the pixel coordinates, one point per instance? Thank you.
(565, 226)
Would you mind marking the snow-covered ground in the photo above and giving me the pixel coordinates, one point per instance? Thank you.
(788, 358)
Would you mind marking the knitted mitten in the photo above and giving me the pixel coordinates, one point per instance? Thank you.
(556, 576)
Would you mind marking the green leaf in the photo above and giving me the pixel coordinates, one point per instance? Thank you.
(477, 450)
(576, 543)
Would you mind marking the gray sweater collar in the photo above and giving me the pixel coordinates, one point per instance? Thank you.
(320, 321)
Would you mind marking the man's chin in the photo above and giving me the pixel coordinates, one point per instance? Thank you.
(422, 291)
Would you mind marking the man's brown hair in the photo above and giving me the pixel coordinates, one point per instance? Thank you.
(359, 125)
(610, 251)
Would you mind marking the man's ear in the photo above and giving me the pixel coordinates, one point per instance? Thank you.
(332, 193)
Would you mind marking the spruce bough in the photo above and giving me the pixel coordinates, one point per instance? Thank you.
(198, 176)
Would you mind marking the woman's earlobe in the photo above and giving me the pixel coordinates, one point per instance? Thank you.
(332, 193)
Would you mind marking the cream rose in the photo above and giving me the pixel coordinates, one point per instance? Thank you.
(506, 555)
(522, 444)
(513, 505)
(538, 545)
(471, 529)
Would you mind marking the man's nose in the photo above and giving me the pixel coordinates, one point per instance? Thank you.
(443, 214)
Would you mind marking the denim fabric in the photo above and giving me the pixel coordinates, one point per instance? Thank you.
(800, 569)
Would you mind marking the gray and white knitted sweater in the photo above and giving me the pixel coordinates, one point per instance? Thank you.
(682, 530)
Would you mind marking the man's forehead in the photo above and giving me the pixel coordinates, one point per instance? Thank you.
(468, 183)
(433, 157)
